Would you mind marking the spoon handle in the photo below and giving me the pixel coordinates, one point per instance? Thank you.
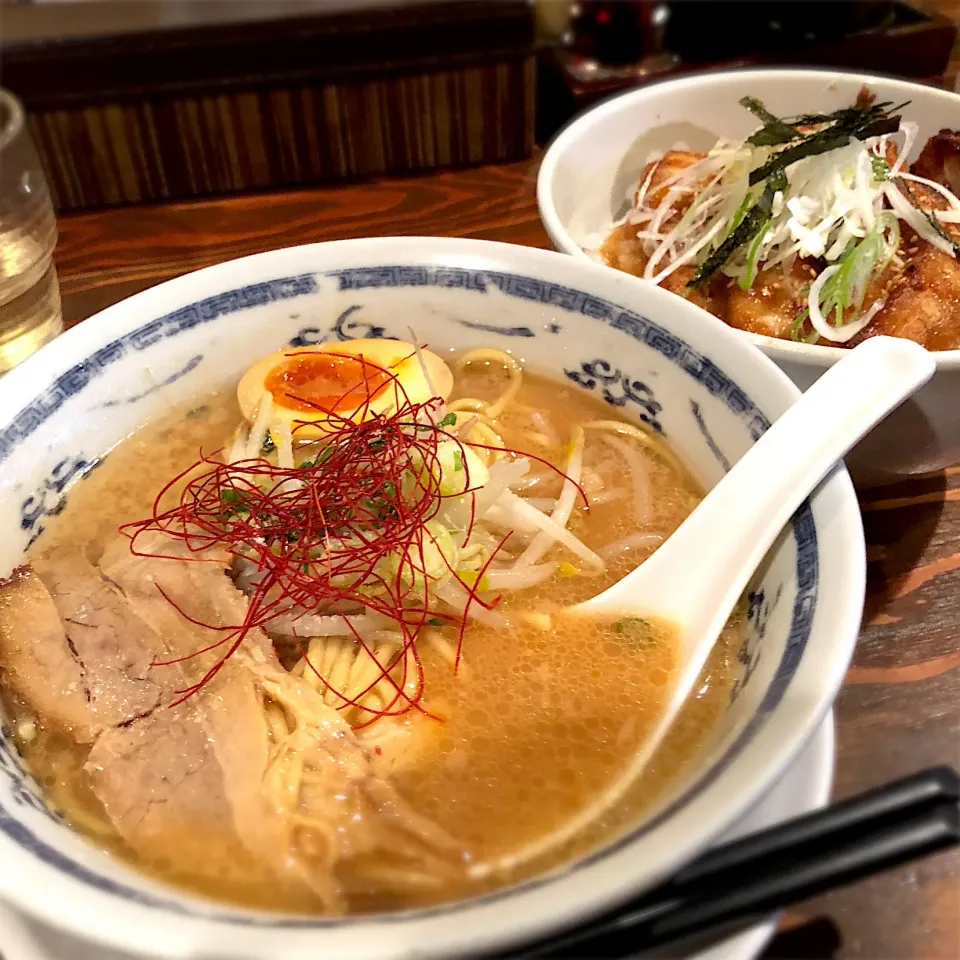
(699, 573)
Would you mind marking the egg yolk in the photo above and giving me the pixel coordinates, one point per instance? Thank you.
(326, 381)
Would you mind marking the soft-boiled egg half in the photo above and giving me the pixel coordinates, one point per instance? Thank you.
(353, 379)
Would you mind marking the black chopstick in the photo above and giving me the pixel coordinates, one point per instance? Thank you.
(771, 869)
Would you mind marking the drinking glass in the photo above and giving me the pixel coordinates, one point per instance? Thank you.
(29, 293)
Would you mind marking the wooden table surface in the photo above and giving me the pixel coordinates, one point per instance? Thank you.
(900, 708)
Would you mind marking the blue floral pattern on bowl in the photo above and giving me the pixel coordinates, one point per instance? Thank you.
(619, 380)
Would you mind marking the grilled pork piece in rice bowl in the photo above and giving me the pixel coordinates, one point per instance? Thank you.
(284, 658)
(807, 210)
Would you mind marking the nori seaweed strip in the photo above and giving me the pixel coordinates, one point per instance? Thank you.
(810, 147)
(749, 227)
(831, 138)
(845, 114)
(773, 131)
(930, 218)
(756, 220)
(779, 130)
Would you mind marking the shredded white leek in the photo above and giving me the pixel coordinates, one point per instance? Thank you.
(639, 475)
(832, 200)
(456, 597)
(519, 578)
(520, 514)
(565, 504)
(258, 432)
(238, 448)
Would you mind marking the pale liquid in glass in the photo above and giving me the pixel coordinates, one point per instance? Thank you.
(29, 295)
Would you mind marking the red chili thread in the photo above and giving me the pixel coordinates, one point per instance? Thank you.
(316, 533)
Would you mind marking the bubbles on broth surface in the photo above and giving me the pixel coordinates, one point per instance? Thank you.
(540, 723)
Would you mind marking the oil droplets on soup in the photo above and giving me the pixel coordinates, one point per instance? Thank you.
(412, 701)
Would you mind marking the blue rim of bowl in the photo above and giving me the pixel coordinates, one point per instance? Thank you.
(670, 346)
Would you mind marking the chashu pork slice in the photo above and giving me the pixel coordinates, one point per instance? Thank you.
(186, 601)
(37, 664)
(302, 830)
(165, 791)
(923, 301)
(114, 646)
(74, 651)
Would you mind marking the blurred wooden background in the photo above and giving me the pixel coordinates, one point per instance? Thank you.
(139, 101)
(951, 10)
(156, 100)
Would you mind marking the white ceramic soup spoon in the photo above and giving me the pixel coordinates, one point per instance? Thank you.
(695, 578)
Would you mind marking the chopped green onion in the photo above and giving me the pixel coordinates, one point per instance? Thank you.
(847, 287)
(436, 622)
(450, 420)
(798, 326)
(457, 461)
(741, 211)
(753, 252)
(325, 454)
(881, 169)
(229, 495)
(753, 223)
(834, 293)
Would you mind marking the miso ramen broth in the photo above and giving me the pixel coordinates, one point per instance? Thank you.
(511, 718)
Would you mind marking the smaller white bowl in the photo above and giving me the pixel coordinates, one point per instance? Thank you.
(590, 166)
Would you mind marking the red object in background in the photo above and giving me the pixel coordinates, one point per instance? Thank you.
(617, 32)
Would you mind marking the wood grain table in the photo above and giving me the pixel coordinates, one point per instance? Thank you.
(900, 708)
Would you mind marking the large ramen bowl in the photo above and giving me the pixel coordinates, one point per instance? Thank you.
(643, 351)
(590, 167)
